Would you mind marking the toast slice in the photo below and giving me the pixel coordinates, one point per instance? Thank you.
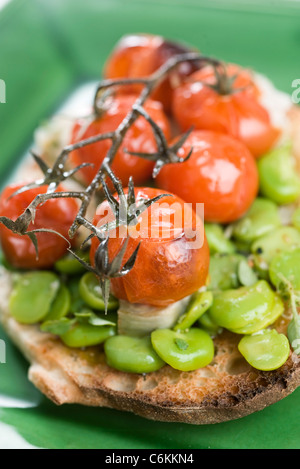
(227, 389)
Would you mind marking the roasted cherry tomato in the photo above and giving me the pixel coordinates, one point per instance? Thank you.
(140, 55)
(229, 104)
(221, 173)
(139, 138)
(173, 258)
(232, 78)
(55, 214)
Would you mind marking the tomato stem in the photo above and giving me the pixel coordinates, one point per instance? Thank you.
(52, 177)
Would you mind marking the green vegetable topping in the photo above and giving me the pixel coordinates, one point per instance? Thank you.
(285, 267)
(285, 275)
(86, 335)
(279, 180)
(90, 292)
(217, 240)
(267, 247)
(246, 274)
(132, 354)
(262, 218)
(247, 309)
(266, 350)
(206, 322)
(186, 351)
(58, 326)
(223, 271)
(69, 265)
(60, 306)
(181, 344)
(33, 295)
(200, 303)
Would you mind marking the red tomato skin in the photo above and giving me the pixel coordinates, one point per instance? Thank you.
(56, 214)
(221, 173)
(139, 138)
(166, 270)
(129, 50)
(244, 79)
(140, 55)
(238, 114)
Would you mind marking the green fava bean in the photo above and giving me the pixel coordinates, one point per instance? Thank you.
(223, 271)
(279, 180)
(90, 292)
(286, 267)
(32, 296)
(246, 274)
(296, 218)
(132, 354)
(293, 333)
(262, 218)
(69, 265)
(184, 351)
(86, 335)
(266, 350)
(60, 306)
(268, 246)
(77, 303)
(200, 303)
(247, 309)
(217, 240)
(206, 323)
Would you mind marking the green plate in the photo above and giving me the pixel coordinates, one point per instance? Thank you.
(49, 48)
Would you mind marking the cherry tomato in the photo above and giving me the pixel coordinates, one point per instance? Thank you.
(140, 55)
(173, 258)
(55, 214)
(234, 110)
(139, 138)
(236, 79)
(127, 52)
(221, 173)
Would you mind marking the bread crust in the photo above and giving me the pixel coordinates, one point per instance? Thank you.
(227, 389)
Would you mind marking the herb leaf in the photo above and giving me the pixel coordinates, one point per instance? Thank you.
(88, 316)
(59, 326)
(181, 343)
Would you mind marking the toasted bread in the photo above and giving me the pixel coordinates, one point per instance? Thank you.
(227, 389)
